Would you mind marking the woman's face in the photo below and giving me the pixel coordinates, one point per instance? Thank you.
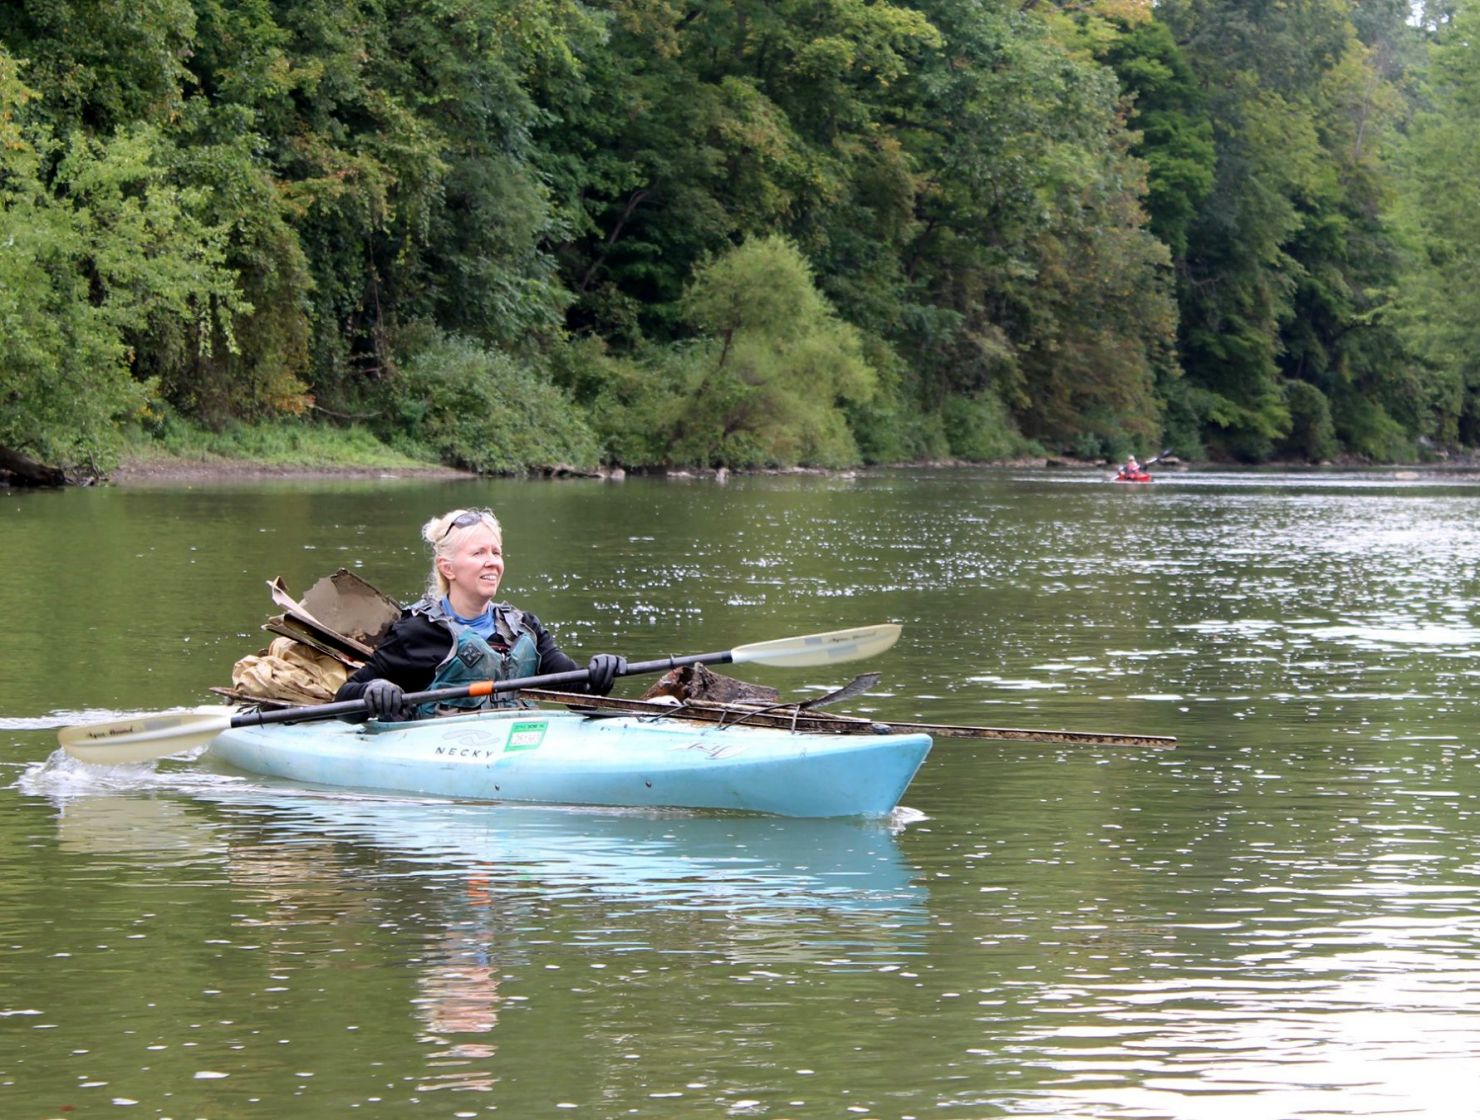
(473, 568)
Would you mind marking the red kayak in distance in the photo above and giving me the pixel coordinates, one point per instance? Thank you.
(1141, 473)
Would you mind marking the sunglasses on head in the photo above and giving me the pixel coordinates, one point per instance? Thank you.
(462, 521)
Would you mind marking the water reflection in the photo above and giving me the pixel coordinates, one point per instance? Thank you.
(1371, 1031)
(478, 897)
(656, 860)
(751, 890)
(1278, 919)
(1271, 931)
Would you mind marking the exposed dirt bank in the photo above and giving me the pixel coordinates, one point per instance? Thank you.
(158, 471)
(143, 472)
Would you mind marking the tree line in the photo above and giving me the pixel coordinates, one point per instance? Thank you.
(516, 233)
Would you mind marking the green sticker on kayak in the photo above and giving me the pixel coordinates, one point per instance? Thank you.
(527, 735)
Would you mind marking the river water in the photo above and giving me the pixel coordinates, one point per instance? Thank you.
(1279, 918)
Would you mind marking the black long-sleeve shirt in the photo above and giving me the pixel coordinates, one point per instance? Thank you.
(422, 639)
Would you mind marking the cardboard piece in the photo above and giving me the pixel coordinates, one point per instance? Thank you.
(340, 615)
(346, 603)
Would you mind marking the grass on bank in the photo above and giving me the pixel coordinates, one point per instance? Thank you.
(277, 443)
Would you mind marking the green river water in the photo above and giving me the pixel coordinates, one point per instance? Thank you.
(1280, 918)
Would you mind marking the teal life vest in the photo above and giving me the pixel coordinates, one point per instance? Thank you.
(473, 659)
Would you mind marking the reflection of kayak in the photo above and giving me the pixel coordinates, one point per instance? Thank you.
(1138, 476)
(559, 757)
(655, 860)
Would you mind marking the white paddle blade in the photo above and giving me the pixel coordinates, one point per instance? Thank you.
(144, 737)
(820, 649)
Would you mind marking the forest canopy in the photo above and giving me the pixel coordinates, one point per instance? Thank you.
(652, 233)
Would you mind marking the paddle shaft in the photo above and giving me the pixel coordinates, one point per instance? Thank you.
(477, 688)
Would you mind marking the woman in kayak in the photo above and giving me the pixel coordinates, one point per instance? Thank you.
(1131, 468)
(456, 634)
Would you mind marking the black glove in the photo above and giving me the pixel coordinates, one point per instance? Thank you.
(605, 668)
(385, 700)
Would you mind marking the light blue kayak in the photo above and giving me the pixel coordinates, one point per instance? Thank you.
(568, 758)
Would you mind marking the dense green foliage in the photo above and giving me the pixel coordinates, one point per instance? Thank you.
(481, 409)
(1439, 214)
(725, 232)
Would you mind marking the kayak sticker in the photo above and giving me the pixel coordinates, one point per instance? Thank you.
(526, 735)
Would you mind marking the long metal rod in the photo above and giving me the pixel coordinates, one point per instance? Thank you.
(794, 719)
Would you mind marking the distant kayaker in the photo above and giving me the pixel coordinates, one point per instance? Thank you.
(456, 634)
(1131, 468)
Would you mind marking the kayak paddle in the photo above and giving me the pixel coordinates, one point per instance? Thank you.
(155, 735)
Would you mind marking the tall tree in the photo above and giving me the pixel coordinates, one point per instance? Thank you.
(1030, 255)
(1286, 260)
(1438, 306)
(1174, 134)
(102, 250)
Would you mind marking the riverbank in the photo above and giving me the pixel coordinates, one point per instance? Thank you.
(165, 470)
(141, 471)
(214, 471)
(148, 470)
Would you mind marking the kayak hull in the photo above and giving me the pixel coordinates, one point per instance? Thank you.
(566, 758)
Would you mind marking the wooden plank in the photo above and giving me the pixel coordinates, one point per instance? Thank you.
(289, 627)
(792, 718)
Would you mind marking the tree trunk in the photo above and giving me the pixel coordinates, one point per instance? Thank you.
(20, 470)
